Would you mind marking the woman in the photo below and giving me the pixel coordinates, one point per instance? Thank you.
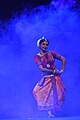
(49, 91)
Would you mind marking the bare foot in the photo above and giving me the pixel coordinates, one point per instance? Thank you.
(50, 115)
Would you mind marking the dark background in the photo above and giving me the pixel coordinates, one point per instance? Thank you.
(8, 8)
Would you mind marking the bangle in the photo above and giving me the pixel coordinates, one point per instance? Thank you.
(54, 71)
(61, 71)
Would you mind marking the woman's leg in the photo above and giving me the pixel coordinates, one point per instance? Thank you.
(50, 114)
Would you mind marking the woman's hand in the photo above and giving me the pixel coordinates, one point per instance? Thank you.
(58, 72)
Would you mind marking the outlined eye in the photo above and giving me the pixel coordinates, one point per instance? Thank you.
(45, 44)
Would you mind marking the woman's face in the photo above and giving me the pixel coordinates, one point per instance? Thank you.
(44, 46)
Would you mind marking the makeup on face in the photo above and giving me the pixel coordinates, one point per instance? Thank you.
(44, 46)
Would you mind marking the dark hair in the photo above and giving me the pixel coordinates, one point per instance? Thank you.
(42, 40)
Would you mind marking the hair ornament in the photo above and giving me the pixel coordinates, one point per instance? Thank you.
(39, 41)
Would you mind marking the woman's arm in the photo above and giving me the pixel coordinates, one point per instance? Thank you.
(59, 57)
(62, 59)
(45, 69)
(63, 63)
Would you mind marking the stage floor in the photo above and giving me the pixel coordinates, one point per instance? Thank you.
(45, 118)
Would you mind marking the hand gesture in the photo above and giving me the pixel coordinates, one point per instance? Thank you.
(58, 72)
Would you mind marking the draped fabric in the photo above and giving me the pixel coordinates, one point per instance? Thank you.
(50, 94)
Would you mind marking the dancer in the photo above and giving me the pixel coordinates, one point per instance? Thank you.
(49, 91)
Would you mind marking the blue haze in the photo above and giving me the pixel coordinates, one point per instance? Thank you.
(18, 72)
